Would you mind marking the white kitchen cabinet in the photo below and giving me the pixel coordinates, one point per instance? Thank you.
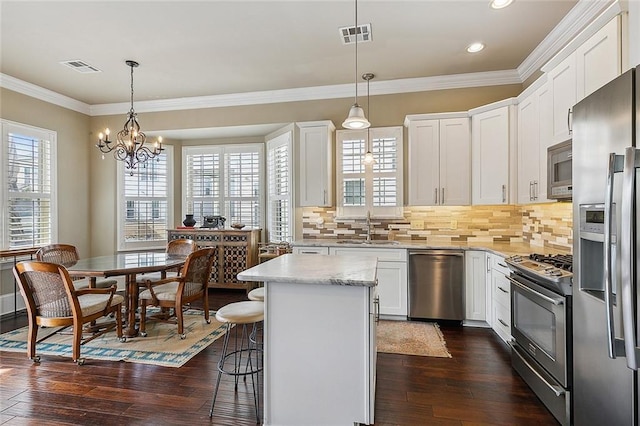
(562, 82)
(475, 287)
(493, 133)
(392, 277)
(500, 296)
(592, 64)
(599, 59)
(439, 159)
(310, 250)
(315, 168)
(534, 137)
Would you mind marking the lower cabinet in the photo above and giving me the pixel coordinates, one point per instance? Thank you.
(500, 296)
(392, 277)
(310, 250)
(475, 288)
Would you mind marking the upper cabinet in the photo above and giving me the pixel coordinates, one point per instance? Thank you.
(439, 159)
(588, 67)
(599, 59)
(315, 168)
(493, 135)
(534, 137)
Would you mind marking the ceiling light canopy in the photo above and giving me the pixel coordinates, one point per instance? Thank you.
(499, 4)
(130, 145)
(475, 47)
(356, 119)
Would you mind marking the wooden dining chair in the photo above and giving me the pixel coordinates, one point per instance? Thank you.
(67, 255)
(174, 292)
(53, 301)
(179, 247)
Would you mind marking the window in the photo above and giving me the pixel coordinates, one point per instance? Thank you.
(28, 168)
(279, 191)
(377, 187)
(224, 180)
(145, 205)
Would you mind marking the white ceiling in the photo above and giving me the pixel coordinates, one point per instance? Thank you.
(210, 48)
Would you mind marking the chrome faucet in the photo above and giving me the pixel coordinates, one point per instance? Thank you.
(368, 226)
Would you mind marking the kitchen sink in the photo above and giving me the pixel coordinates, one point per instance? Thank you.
(370, 243)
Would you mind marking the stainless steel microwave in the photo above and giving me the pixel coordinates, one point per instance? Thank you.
(559, 165)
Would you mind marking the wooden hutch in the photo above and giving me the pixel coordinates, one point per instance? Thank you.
(237, 250)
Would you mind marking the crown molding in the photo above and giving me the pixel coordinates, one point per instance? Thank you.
(492, 78)
(20, 86)
(578, 18)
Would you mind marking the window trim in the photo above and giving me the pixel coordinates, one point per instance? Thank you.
(121, 206)
(360, 212)
(6, 127)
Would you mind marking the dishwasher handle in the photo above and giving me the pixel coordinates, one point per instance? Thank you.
(436, 252)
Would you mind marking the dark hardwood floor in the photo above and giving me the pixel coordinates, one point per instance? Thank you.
(475, 387)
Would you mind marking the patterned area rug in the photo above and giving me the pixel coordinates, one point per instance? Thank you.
(411, 338)
(162, 346)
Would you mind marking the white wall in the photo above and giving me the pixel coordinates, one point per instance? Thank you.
(634, 33)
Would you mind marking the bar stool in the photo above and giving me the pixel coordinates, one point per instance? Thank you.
(257, 294)
(239, 313)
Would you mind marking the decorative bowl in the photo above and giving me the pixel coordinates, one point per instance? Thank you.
(238, 225)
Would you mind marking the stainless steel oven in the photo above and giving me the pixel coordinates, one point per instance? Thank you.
(541, 326)
(539, 323)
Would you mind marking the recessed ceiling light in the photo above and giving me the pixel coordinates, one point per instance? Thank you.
(499, 4)
(475, 47)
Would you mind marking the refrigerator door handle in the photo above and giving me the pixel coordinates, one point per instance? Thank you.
(615, 165)
(627, 254)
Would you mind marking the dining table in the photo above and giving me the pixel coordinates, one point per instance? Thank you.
(128, 265)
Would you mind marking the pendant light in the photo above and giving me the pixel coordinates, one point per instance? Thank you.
(356, 119)
(368, 156)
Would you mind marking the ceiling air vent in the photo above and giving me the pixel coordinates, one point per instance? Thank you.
(80, 66)
(348, 34)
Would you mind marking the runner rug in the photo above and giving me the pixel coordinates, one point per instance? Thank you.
(411, 338)
(162, 346)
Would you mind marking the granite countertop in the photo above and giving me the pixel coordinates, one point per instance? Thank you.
(304, 269)
(501, 249)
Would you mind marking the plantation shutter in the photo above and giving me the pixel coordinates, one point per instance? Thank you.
(279, 195)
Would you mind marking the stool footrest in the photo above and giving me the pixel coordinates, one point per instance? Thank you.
(254, 369)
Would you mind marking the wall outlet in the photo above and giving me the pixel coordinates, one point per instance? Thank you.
(417, 224)
(454, 224)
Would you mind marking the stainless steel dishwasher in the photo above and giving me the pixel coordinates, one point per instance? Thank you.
(436, 284)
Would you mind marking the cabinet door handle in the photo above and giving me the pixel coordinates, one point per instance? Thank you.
(502, 289)
(376, 302)
(503, 323)
(504, 193)
(324, 196)
(488, 265)
(442, 197)
(535, 189)
(530, 190)
(436, 195)
(569, 113)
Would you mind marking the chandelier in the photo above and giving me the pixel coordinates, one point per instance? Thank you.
(130, 141)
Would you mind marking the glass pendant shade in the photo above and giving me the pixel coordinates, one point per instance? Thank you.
(356, 119)
(368, 158)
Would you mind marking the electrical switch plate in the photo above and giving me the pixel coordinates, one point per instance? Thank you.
(417, 224)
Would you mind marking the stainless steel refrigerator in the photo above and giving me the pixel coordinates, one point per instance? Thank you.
(605, 220)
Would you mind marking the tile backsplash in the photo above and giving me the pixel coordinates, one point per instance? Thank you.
(539, 224)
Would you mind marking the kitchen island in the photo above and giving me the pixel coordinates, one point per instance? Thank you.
(319, 338)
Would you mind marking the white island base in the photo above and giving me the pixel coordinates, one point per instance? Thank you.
(319, 339)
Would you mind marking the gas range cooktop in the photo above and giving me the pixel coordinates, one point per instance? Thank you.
(554, 272)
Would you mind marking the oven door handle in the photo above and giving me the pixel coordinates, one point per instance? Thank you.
(615, 165)
(554, 388)
(556, 302)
